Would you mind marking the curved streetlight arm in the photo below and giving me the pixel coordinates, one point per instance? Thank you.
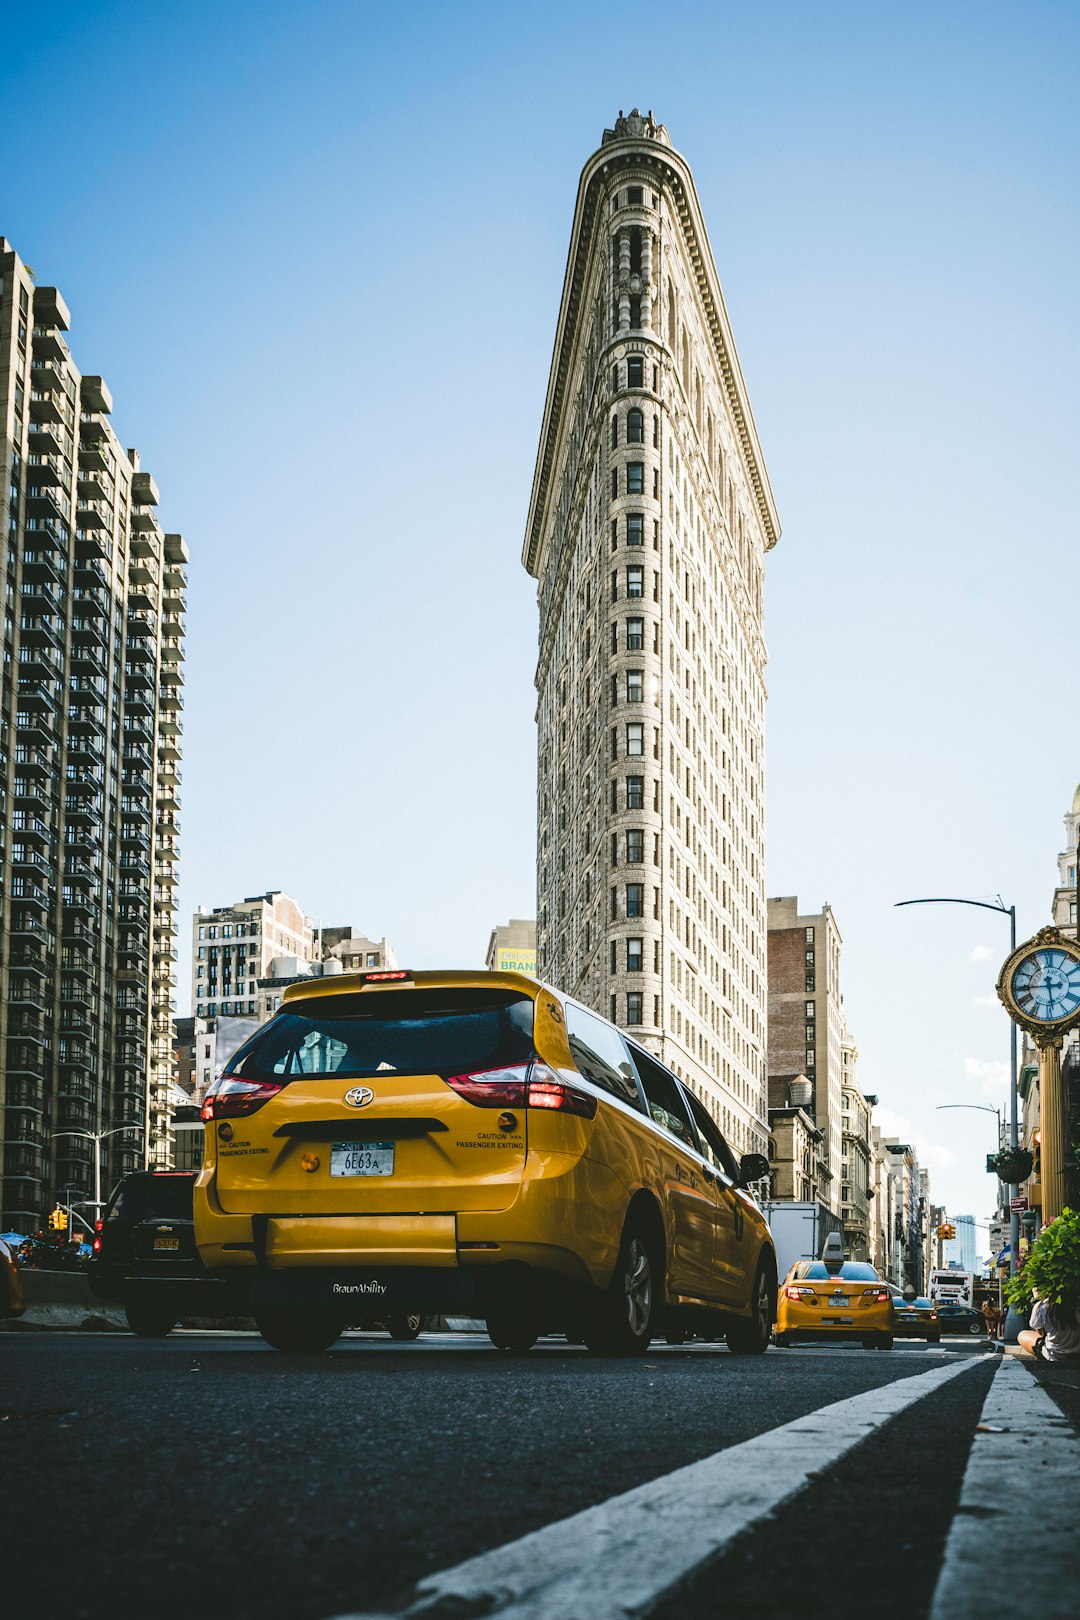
(97, 1137)
(1014, 1130)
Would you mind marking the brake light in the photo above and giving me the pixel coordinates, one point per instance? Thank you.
(546, 1090)
(96, 1244)
(878, 1295)
(384, 978)
(797, 1293)
(493, 1088)
(230, 1096)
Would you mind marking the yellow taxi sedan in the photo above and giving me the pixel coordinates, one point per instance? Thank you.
(834, 1301)
(474, 1144)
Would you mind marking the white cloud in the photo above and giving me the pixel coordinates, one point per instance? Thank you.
(934, 1155)
(991, 1079)
(981, 953)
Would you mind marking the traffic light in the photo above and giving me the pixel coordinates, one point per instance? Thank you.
(1036, 1153)
(58, 1219)
(942, 1232)
(946, 1231)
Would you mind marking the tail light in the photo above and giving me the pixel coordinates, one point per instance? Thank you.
(798, 1294)
(523, 1085)
(98, 1228)
(493, 1088)
(878, 1295)
(547, 1090)
(231, 1096)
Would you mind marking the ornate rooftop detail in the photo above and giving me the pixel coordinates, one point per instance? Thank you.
(636, 126)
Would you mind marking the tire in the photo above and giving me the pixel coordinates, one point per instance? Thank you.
(751, 1338)
(405, 1327)
(625, 1315)
(299, 1333)
(150, 1320)
(975, 1328)
(511, 1328)
(934, 1338)
(885, 1342)
(869, 1344)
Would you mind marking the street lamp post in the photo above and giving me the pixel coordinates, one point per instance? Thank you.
(97, 1137)
(1010, 912)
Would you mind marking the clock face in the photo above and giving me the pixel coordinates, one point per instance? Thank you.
(1046, 985)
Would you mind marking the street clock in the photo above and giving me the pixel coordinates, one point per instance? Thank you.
(1040, 984)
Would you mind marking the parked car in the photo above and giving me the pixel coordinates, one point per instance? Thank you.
(961, 1319)
(478, 1144)
(916, 1319)
(145, 1256)
(12, 1298)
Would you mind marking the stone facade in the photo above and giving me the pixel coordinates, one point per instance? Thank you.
(512, 946)
(794, 1150)
(232, 948)
(90, 702)
(650, 517)
(806, 1020)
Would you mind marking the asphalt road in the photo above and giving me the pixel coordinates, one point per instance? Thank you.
(209, 1474)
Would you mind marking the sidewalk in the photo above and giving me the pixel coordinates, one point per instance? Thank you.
(1060, 1379)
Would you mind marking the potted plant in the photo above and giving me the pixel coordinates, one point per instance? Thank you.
(1013, 1164)
(1051, 1265)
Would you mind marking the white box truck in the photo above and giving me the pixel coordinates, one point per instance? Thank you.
(951, 1286)
(799, 1230)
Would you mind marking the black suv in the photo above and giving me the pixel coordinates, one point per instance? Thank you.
(145, 1256)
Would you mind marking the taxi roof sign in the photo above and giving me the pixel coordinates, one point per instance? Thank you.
(832, 1253)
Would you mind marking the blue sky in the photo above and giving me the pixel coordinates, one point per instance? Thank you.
(317, 252)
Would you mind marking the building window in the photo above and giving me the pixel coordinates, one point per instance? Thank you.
(635, 528)
(633, 195)
(635, 685)
(635, 427)
(635, 846)
(635, 478)
(635, 372)
(634, 1001)
(635, 635)
(635, 899)
(635, 739)
(635, 793)
(809, 936)
(614, 957)
(614, 483)
(614, 432)
(810, 1009)
(635, 582)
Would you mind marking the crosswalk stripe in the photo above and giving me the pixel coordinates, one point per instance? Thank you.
(1019, 1491)
(620, 1557)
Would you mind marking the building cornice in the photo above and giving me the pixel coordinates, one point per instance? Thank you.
(644, 155)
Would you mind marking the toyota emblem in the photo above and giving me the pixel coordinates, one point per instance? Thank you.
(359, 1096)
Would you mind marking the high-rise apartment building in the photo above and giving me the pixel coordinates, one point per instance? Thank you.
(649, 521)
(232, 947)
(807, 1032)
(90, 703)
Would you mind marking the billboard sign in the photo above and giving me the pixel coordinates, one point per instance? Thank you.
(511, 960)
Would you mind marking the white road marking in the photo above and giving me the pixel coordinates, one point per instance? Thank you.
(619, 1558)
(1020, 1491)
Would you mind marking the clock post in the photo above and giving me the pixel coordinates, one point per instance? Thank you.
(1039, 986)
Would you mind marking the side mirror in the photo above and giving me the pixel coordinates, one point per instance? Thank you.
(753, 1167)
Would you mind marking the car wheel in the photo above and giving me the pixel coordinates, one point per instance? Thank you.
(885, 1342)
(751, 1338)
(869, 1344)
(150, 1320)
(933, 1338)
(623, 1324)
(299, 1333)
(512, 1328)
(405, 1327)
(975, 1328)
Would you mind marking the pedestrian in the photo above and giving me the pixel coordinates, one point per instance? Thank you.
(1054, 1334)
(989, 1310)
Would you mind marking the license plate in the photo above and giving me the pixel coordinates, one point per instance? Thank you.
(839, 1302)
(166, 1243)
(361, 1158)
(837, 1321)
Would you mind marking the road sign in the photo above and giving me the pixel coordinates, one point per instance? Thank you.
(1019, 1204)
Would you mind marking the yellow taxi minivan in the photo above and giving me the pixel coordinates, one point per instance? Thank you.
(835, 1300)
(474, 1144)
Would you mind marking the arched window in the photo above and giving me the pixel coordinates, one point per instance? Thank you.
(635, 427)
(672, 319)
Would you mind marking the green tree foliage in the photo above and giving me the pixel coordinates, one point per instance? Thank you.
(1052, 1265)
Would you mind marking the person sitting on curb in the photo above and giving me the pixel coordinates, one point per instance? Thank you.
(1054, 1334)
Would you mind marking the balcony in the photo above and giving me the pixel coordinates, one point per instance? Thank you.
(92, 544)
(95, 397)
(47, 533)
(48, 343)
(47, 469)
(95, 455)
(49, 376)
(48, 437)
(82, 750)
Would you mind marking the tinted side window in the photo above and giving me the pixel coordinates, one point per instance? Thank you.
(666, 1103)
(600, 1054)
(713, 1146)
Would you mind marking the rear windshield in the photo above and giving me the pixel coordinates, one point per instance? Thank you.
(850, 1271)
(444, 1032)
(137, 1198)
